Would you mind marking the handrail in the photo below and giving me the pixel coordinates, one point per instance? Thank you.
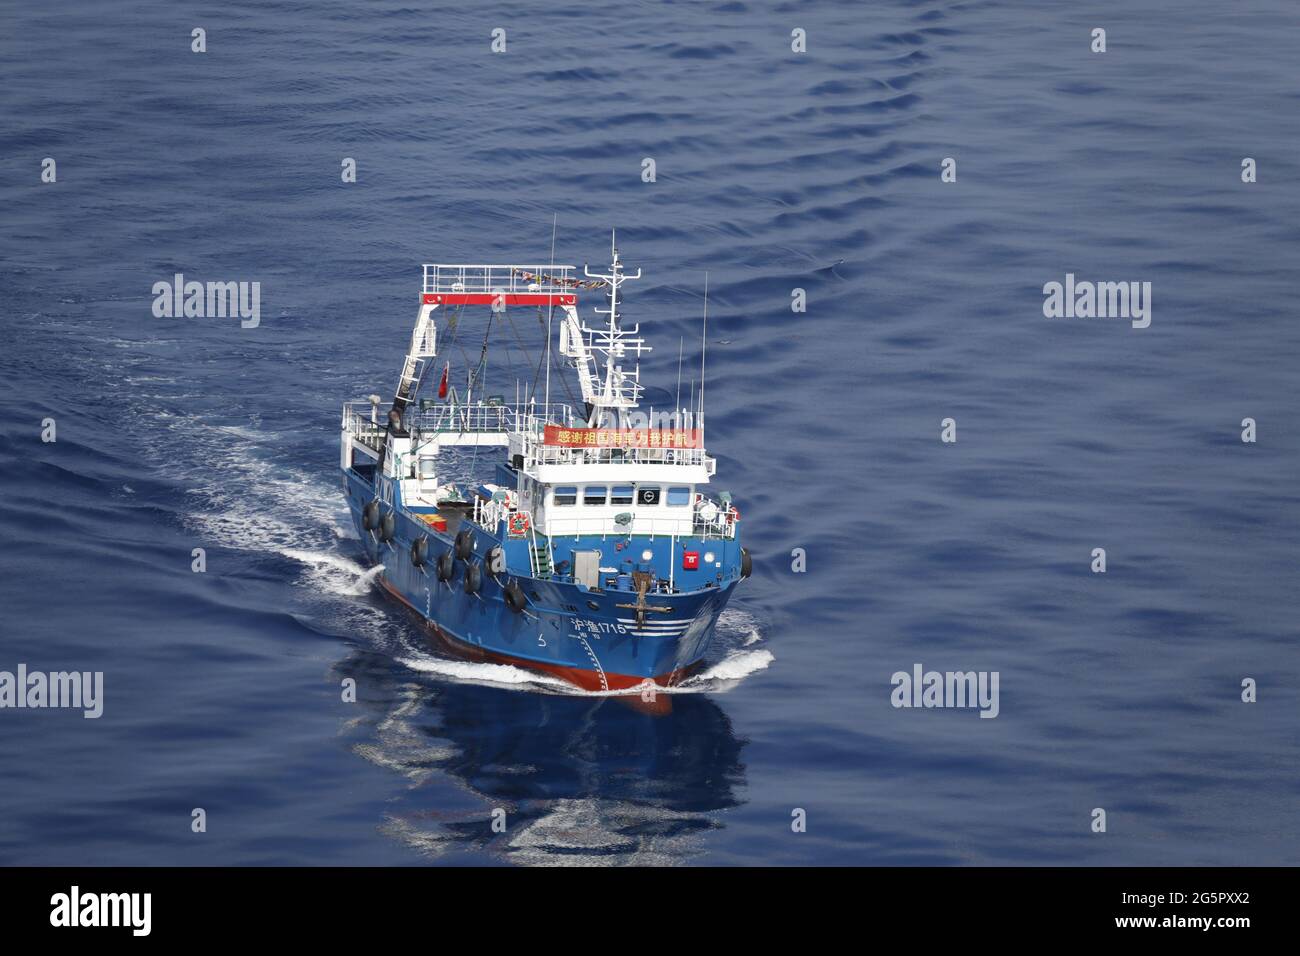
(498, 278)
(687, 526)
(524, 417)
(541, 454)
(361, 427)
(529, 421)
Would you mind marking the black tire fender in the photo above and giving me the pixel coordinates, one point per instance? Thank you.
(515, 599)
(473, 578)
(464, 544)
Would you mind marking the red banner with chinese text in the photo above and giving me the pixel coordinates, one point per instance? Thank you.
(622, 437)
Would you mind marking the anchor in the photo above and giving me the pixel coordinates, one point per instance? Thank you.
(642, 581)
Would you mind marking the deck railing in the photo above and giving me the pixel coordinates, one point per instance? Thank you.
(536, 452)
(720, 524)
(529, 419)
(487, 417)
(360, 421)
(442, 277)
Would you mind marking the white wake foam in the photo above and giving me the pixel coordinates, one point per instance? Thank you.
(733, 668)
(716, 679)
(741, 623)
(474, 672)
(335, 573)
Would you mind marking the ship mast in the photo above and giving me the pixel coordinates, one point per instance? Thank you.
(621, 388)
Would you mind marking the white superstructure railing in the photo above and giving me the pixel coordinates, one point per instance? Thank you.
(538, 453)
(488, 417)
(359, 422)
(450, 278)
(528, 420)
(695, 526)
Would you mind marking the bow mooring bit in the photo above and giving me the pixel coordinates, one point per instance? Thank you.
(642, 581)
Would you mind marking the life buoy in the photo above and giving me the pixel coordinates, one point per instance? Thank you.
(420, 551)
(515, 599)
(518, 523)
(733, 514)
(464, 544)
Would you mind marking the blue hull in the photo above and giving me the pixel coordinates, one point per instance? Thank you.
(566, 629)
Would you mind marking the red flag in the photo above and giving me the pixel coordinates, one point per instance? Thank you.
(442, 386)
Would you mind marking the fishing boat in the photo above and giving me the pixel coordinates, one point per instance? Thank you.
(585, 544)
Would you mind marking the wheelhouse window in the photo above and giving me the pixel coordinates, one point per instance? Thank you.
(677, 497)
(428, 467)
(565, 495)
(648, 494)
(594, 495)
(621, 495)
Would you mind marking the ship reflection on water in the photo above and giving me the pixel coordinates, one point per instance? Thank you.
(581, 780)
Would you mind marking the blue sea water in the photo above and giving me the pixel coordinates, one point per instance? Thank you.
(775, 171)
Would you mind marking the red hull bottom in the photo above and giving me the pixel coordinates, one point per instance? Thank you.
(578, 677)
